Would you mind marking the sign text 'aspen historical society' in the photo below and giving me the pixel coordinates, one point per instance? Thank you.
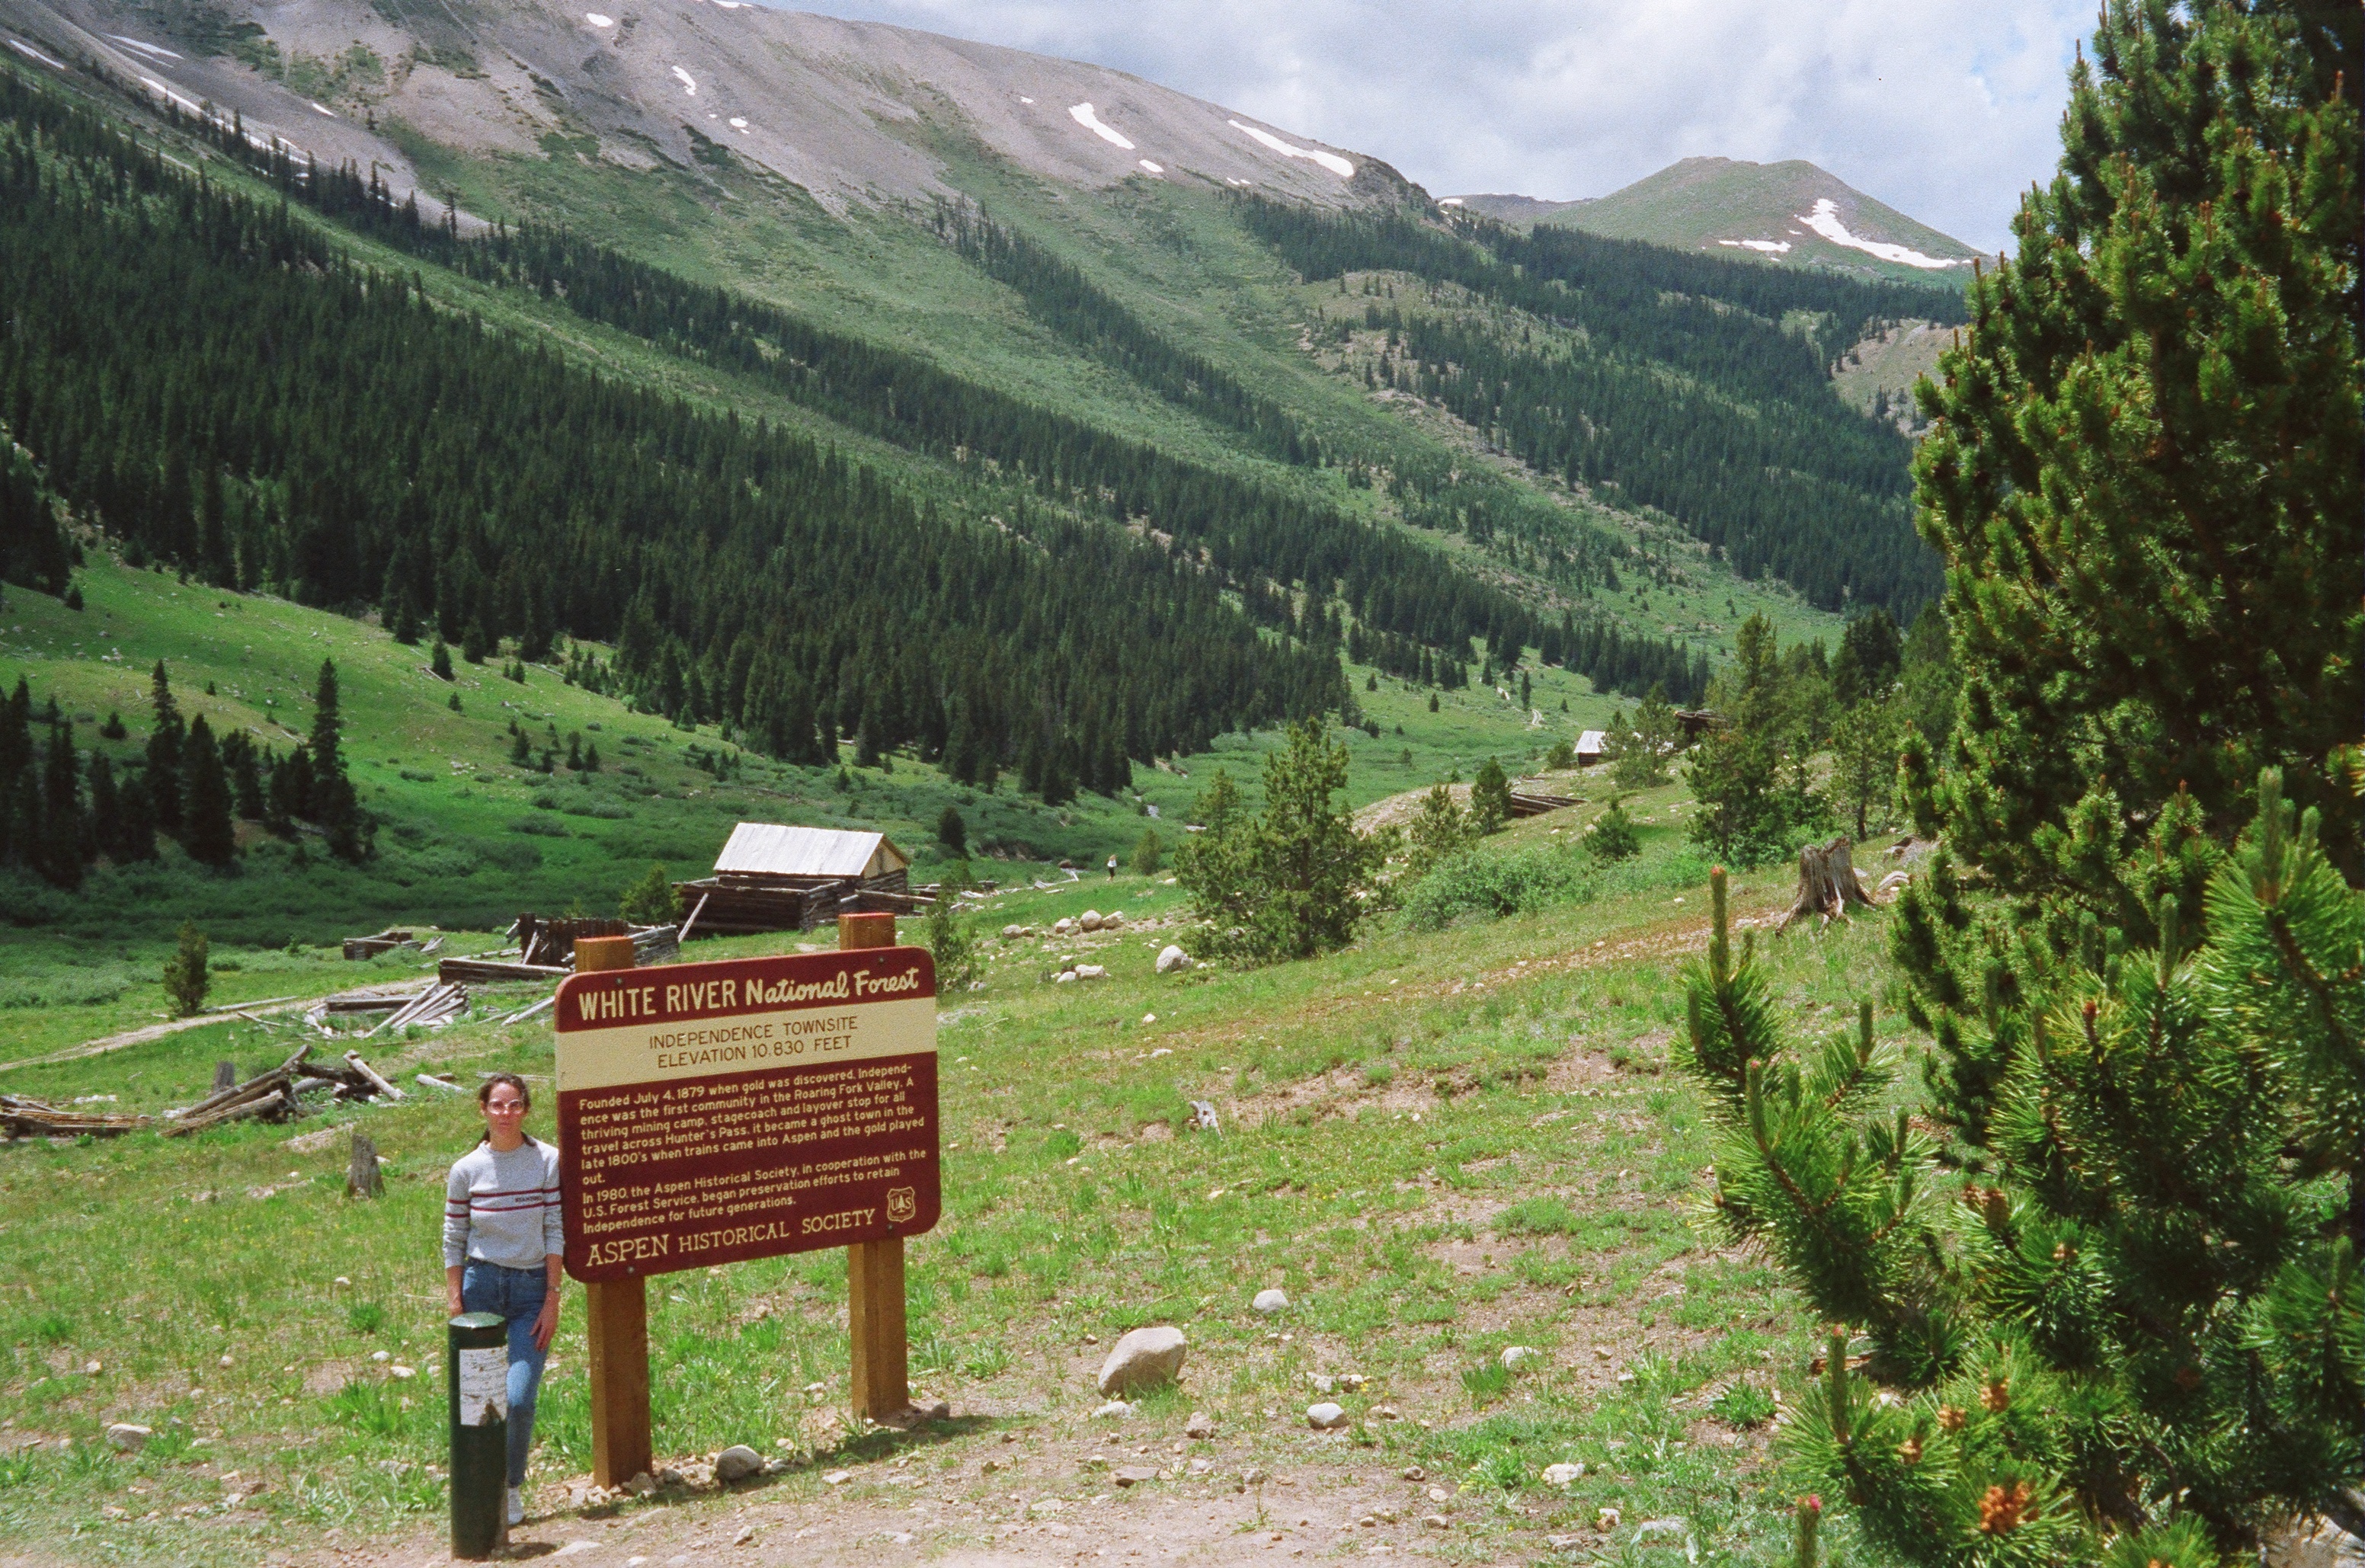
(715, 1113)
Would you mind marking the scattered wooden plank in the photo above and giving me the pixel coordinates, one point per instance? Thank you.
(484, 972)
(262, 1001)
(363, 1068)
(523, 1014)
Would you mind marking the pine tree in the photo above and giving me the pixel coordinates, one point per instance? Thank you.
(1290, 883)
(135, 840)
(1439, 830)
(1864, 747)
(61, 849)
(165, 734)
(105, 807)
(953, 833)
(2143, 466)
(346, 828)
(439, 662)
(1490, 799)
(187, 980)
(207, 830)
(2141, 1314)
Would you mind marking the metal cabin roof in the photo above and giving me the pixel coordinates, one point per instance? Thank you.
(1589, 743)
(775, 850)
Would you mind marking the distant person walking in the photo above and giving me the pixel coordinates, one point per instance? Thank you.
(1112, 868)
(502, 1250)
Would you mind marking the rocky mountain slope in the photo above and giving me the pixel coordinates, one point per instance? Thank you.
(1791, 213)
(851, 112)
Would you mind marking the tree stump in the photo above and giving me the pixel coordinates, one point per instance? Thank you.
(363, 1179)
(225, 1076)
(1827, 884)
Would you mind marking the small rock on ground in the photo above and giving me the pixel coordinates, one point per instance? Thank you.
(1272, 1301)
(1143, 1359)
(738, 1462)
(1325, 1417)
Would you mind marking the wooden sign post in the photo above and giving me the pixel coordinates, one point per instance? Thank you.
(880, 1370)
(616, 1319)
(722, 1112)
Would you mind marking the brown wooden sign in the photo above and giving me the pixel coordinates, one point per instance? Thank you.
(715, 1113)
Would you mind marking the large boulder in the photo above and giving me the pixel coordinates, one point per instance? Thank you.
(1144, 1359)
(1172, 958)
(1090, 920)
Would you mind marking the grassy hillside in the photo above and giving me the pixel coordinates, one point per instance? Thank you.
(470, 838)
(1440, 1144)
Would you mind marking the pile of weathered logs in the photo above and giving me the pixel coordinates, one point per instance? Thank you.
(545, 951)
(20, 1117)
(1533, 800)
(439, 1004)
(371, 947)
(272, 1096)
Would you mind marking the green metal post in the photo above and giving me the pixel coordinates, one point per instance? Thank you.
(477, 1380)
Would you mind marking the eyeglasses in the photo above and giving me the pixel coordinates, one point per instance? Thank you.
(505, 1108)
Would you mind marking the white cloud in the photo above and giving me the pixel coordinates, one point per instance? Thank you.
(1945, 109)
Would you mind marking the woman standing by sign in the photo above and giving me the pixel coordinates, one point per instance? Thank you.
(503, 1248)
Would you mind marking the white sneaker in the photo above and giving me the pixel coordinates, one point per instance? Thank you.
(517, 1505)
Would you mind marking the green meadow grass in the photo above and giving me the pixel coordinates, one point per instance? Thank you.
(1440, 1143)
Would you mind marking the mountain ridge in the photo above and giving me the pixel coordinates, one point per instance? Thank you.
(1789, 213)
(842, 109)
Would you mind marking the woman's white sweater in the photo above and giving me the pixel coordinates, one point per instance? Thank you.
(503, 1209)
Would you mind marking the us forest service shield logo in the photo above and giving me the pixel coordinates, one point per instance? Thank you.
(903, 1204)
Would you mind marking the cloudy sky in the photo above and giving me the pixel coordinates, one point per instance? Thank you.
(1943, 109)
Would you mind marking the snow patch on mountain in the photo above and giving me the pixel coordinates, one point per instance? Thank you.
(1331, 161)
(1083, 115)
(1771, 247)
(688, 82)
(1825, 221)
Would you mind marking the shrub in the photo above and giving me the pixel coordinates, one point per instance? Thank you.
(953, 833)
(1148, 853)
(1612, 837)
(650, 901)
(1519, 882)
(952, 942)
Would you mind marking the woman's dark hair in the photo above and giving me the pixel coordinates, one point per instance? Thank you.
(485, 1096)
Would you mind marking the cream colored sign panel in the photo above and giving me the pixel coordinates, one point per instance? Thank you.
(744, 1042)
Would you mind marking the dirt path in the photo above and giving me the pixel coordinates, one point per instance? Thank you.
(1050, 1497)
(130, 1037)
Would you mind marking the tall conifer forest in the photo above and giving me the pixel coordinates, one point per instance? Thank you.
(215, 382)
(1698, 389)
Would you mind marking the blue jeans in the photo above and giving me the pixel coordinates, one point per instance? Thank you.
(517, 1295)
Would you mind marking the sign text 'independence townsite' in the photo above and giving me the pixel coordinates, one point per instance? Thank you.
(715, 1113)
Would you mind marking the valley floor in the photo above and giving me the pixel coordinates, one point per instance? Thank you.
(1440, 1144)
